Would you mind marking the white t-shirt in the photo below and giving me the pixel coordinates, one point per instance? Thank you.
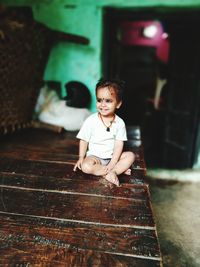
(101, 142)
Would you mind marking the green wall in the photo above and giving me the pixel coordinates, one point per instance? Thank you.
(78, 62)
(83, 17)
(69, 61)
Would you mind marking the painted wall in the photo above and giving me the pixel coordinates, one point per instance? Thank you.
(83, 17)
(69, 61)
(117, 3)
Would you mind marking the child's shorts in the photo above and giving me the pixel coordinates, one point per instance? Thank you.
(104, 162)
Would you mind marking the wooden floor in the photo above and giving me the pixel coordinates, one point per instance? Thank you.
(52, 216)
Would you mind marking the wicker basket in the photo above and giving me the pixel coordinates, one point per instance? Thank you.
(22, 61)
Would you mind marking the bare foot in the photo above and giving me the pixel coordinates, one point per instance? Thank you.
(105, 182)
(112, 178)
(128, 172)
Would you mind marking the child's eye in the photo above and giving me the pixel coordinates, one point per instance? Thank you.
(100, 100)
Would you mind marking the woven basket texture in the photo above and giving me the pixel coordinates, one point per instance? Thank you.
(22, 62)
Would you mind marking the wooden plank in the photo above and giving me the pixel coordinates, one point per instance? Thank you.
(27, 254)
(15, 154)
(52, 148)
(52, 216)
(35, 140)
(114, 240)
(69, 155)
(40, 168)
(57, 154)
(30, 137)
(53, 169)
(139, 165)
(45, 156)
(73, 185)
(71, 207)
(29, 144)
(46, 142)
(44, 145)
(36, 147)
(17, 149)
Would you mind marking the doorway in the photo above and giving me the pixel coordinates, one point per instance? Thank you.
(169, 132)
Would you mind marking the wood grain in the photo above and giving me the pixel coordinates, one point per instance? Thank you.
(93, 209)
(73, 185)
(53, 216)
(26, 254)
(109, 239)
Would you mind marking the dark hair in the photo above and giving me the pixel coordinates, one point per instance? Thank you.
(116, 84)
(78, 95)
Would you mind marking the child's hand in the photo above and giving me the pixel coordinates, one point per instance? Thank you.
(78, 164)
(110, 166)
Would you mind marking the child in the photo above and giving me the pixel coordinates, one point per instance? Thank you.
(102, 136)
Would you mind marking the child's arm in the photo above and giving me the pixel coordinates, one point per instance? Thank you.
(82, 152)
(118, 148)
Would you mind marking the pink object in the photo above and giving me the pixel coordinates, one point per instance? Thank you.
(132, 33)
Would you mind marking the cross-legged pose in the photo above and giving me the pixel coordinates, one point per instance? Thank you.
(102, 136)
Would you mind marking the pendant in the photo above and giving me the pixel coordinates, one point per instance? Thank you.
(108, 129)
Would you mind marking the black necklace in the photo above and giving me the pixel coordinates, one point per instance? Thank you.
(107, 127)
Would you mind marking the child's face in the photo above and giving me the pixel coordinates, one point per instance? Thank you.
(107, 101)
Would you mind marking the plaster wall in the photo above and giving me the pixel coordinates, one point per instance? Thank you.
(69, 61)
(83, 17)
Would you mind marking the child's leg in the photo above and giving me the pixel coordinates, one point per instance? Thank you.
(123, 165)
(112, 178)
(126, 160)
(92, 165)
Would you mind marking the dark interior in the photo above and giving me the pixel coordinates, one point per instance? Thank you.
(169, 134)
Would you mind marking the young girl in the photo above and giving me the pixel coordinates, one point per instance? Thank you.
(102, 136)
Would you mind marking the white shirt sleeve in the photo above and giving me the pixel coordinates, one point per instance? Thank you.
(85, 131)
(121, 131)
